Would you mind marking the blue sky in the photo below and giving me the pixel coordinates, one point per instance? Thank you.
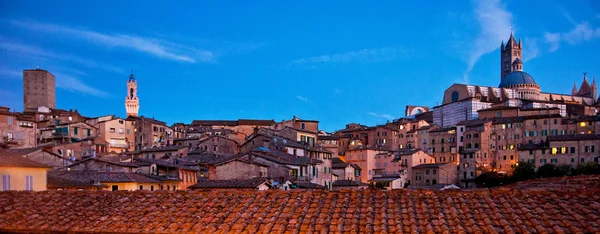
(337, 62)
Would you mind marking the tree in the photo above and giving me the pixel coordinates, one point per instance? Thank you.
(563, 170)
(590, 168)
(546, 171)
(490, 179)
(523, 171)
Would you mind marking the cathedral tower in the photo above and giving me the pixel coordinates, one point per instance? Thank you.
(132, 104)
(510, 54)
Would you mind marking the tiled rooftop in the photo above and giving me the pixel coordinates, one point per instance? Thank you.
(370, 211)
(16, 159)
(248, 183)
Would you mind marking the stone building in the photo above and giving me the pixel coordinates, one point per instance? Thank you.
(443, 145)
(218, 145)
(516, 89)
(241, 128)
(364, 157)
(300, 124)
(43, 155)
(407, 159)
(231, 168)
(118, 132)
(20, 173)
(39, 89)
(572, 150)
(67, 132)
(17, 130)
(329, 143)
(163, 152)
(434, 173)
(149, 132)
(80, 149)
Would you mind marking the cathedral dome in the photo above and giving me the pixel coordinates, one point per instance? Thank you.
(516, 78)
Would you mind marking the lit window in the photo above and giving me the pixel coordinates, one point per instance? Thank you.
(554, 150)
(582, 124)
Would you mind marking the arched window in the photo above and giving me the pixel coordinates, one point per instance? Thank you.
(454, 96)
(434, 182)
(427, 182)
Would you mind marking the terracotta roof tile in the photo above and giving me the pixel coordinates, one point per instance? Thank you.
(249, 183)
(503, 210)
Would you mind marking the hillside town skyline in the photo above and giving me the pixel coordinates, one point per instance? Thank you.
(310, 65)
(280, 117)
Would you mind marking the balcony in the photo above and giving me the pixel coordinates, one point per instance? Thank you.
(9, 140)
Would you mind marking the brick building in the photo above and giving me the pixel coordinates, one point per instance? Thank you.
(118, 132)
(17, 130)
(149, 132)
(39, 89)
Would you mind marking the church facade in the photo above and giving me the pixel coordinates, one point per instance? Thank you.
(516, 89)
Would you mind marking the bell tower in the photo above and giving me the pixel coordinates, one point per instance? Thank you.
(132, 104)
(509, 53)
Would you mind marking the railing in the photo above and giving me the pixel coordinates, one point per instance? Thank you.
(63, 134)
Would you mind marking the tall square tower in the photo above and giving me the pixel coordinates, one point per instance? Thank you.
(39, 89)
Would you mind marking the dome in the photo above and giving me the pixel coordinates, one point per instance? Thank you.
(516, 78)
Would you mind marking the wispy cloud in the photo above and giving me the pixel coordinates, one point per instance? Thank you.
(36, 52)
(531, 49)
(301, 98)
(580, 33)
(337, 91)
(494, 23)
(386, 116)
(154, 46)
(10, 73)
(73, 84)
(361, 56)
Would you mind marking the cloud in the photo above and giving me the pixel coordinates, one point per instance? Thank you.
(362, 56)
(73, 84)
(337, 91)
(580, 33)
(302, 98)
(494, 23)
(553, 39)
(36, 52)
(10, 73)
(157, 47)
(531, 49)
(386, 116)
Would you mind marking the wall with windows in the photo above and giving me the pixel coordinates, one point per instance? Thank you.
(21, 178)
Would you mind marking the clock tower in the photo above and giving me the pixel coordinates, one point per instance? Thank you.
(132, 103)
